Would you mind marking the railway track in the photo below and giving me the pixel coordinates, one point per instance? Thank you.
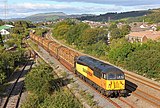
(16, 90)
(147, 96)
(112, 101)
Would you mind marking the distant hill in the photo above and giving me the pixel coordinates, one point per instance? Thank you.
(151, 15)
(49, 16)
(115, 16)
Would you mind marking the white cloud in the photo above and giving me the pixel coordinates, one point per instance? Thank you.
(26, 9)
(116, 2)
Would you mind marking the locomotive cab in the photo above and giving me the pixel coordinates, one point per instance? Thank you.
(114, 80)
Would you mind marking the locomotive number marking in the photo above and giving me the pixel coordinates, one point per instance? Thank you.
(86, 71)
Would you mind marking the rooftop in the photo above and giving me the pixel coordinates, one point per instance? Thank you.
(154, 35)
(98, 65)
(6, 27)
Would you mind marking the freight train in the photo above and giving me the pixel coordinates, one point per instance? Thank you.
(107, 79)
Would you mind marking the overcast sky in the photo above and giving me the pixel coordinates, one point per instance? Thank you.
(23, 8)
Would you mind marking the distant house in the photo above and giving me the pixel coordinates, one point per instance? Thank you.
(143, 36)
(141, 26)
(4, 32)
(5, 29)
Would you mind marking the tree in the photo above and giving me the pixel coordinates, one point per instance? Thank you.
(1, 22)
(74, 33)
(120, 49)
(113, 26)
(116, 34)
(93, 35)
(38, 81)
(125, 30)
(61, 31)
(144, 62)
(1, 39)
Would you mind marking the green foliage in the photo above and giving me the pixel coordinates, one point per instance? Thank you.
(114, 16)
(125, 30)
(93, 35)
(9, 61)
(141, 58)
(73, 36)
(21, 27)
(61, 28)
(99, 49)
(118, 55)
(120, 52)
(61, 99)
(117, 33)
(152, 18)
(2, 76)
(158, 28)
(1, 22)
(145, 62)
(38, 81)
(32, 101)
(61, 31)
(41, 32)
(112, 26)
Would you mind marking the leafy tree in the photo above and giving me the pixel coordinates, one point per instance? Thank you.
(120, 51)
(41, 32)
(119, 32)
(93, 35)
(158, 28)
(125, 30)
(98, 49)
(116, 33)
(32, 101)
(113, 26)
(61, 99)
(74, 33)
(1, 22)
(21, 27)
(1, 39)
(38, 81)
(144, 62)
(61, 31)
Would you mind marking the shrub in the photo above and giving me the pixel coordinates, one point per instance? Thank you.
(38, 81)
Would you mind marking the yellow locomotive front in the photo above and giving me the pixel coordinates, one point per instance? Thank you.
(115, 82)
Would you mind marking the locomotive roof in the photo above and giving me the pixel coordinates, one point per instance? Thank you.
(98, 65)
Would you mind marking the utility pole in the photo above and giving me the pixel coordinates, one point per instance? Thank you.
(5, 6)
(108, 36)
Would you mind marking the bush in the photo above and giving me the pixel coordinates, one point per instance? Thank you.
(61, 99)
(38, 81)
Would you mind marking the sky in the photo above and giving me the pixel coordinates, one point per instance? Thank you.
(23, 8)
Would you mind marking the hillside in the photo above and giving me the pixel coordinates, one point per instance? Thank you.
(115, 16)
(52, 16)
(45, 16)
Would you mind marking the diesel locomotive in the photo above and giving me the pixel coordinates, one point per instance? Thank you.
(106, 78)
